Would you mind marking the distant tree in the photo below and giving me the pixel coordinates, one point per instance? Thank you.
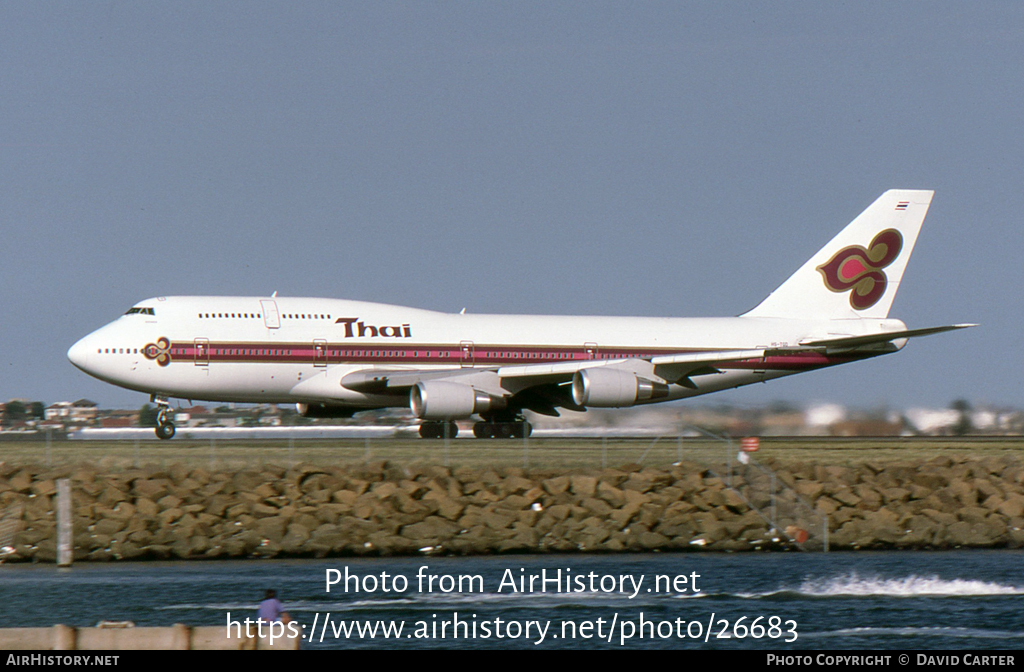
(963, 425)
(147, 416)
(781, 406)
(37, 409)
(14, 412)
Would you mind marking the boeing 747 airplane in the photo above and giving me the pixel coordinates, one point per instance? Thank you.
(336, 357)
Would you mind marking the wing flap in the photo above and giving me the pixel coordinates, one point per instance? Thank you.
(698, 359)
(399, 381)
(678, 369)
(395, 380)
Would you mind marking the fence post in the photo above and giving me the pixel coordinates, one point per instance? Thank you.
(729, 448)
(64, 536)
(526, 447)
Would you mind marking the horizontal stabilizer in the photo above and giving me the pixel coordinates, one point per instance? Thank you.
(855, 341)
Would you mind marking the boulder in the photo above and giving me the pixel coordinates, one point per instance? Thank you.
(1012, 506)
(583, 486)
(557, 485)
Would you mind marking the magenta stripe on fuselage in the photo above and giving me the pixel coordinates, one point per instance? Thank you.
(305, 353)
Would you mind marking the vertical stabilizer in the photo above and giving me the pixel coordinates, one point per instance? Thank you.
(857, 274)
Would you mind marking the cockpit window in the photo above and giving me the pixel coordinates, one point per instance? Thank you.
(142, 311)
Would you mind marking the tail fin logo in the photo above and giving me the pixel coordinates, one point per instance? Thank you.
(860, 270)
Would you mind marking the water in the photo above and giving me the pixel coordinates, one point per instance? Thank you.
(863, 600)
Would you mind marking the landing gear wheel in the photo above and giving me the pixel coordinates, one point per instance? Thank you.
(521, 430)
(483, 430)
(165, 431)
(503, 430)
(436, 430)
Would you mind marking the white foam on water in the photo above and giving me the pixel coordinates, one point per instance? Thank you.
(855, 585)
(911, 586)
(911, 631)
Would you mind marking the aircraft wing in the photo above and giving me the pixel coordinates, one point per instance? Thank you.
(549, 381)
(661, 368)
(506, 380)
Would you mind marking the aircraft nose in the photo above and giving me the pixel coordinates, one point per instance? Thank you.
(78, 354)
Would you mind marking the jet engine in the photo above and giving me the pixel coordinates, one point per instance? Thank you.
(441, 400)
(610, 388)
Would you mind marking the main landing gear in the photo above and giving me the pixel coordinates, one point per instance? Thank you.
(512, 427)
(164, 420)
(502, 430)
(438, 430)
(488, 429)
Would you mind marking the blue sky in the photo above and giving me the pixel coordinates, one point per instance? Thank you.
(595, 158)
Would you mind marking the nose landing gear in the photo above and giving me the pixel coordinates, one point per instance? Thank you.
(164, 421)
(165, 431)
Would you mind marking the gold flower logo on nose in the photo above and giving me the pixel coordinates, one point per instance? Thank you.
(859, 270)
(160, 351)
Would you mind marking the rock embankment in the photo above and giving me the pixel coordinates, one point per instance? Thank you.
(383, 508)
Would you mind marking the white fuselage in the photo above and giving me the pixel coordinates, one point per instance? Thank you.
(278, 350)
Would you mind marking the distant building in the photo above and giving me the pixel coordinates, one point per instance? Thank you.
(81, 412)
(788, 423)
(84, 410)
(116, 422)
(932, 421)
(58, 411)
(867, 427)
(119, 418)
(201, 416)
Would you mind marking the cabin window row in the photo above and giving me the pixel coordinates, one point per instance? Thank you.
(287, 316)
(215, 315)
(378, 353)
